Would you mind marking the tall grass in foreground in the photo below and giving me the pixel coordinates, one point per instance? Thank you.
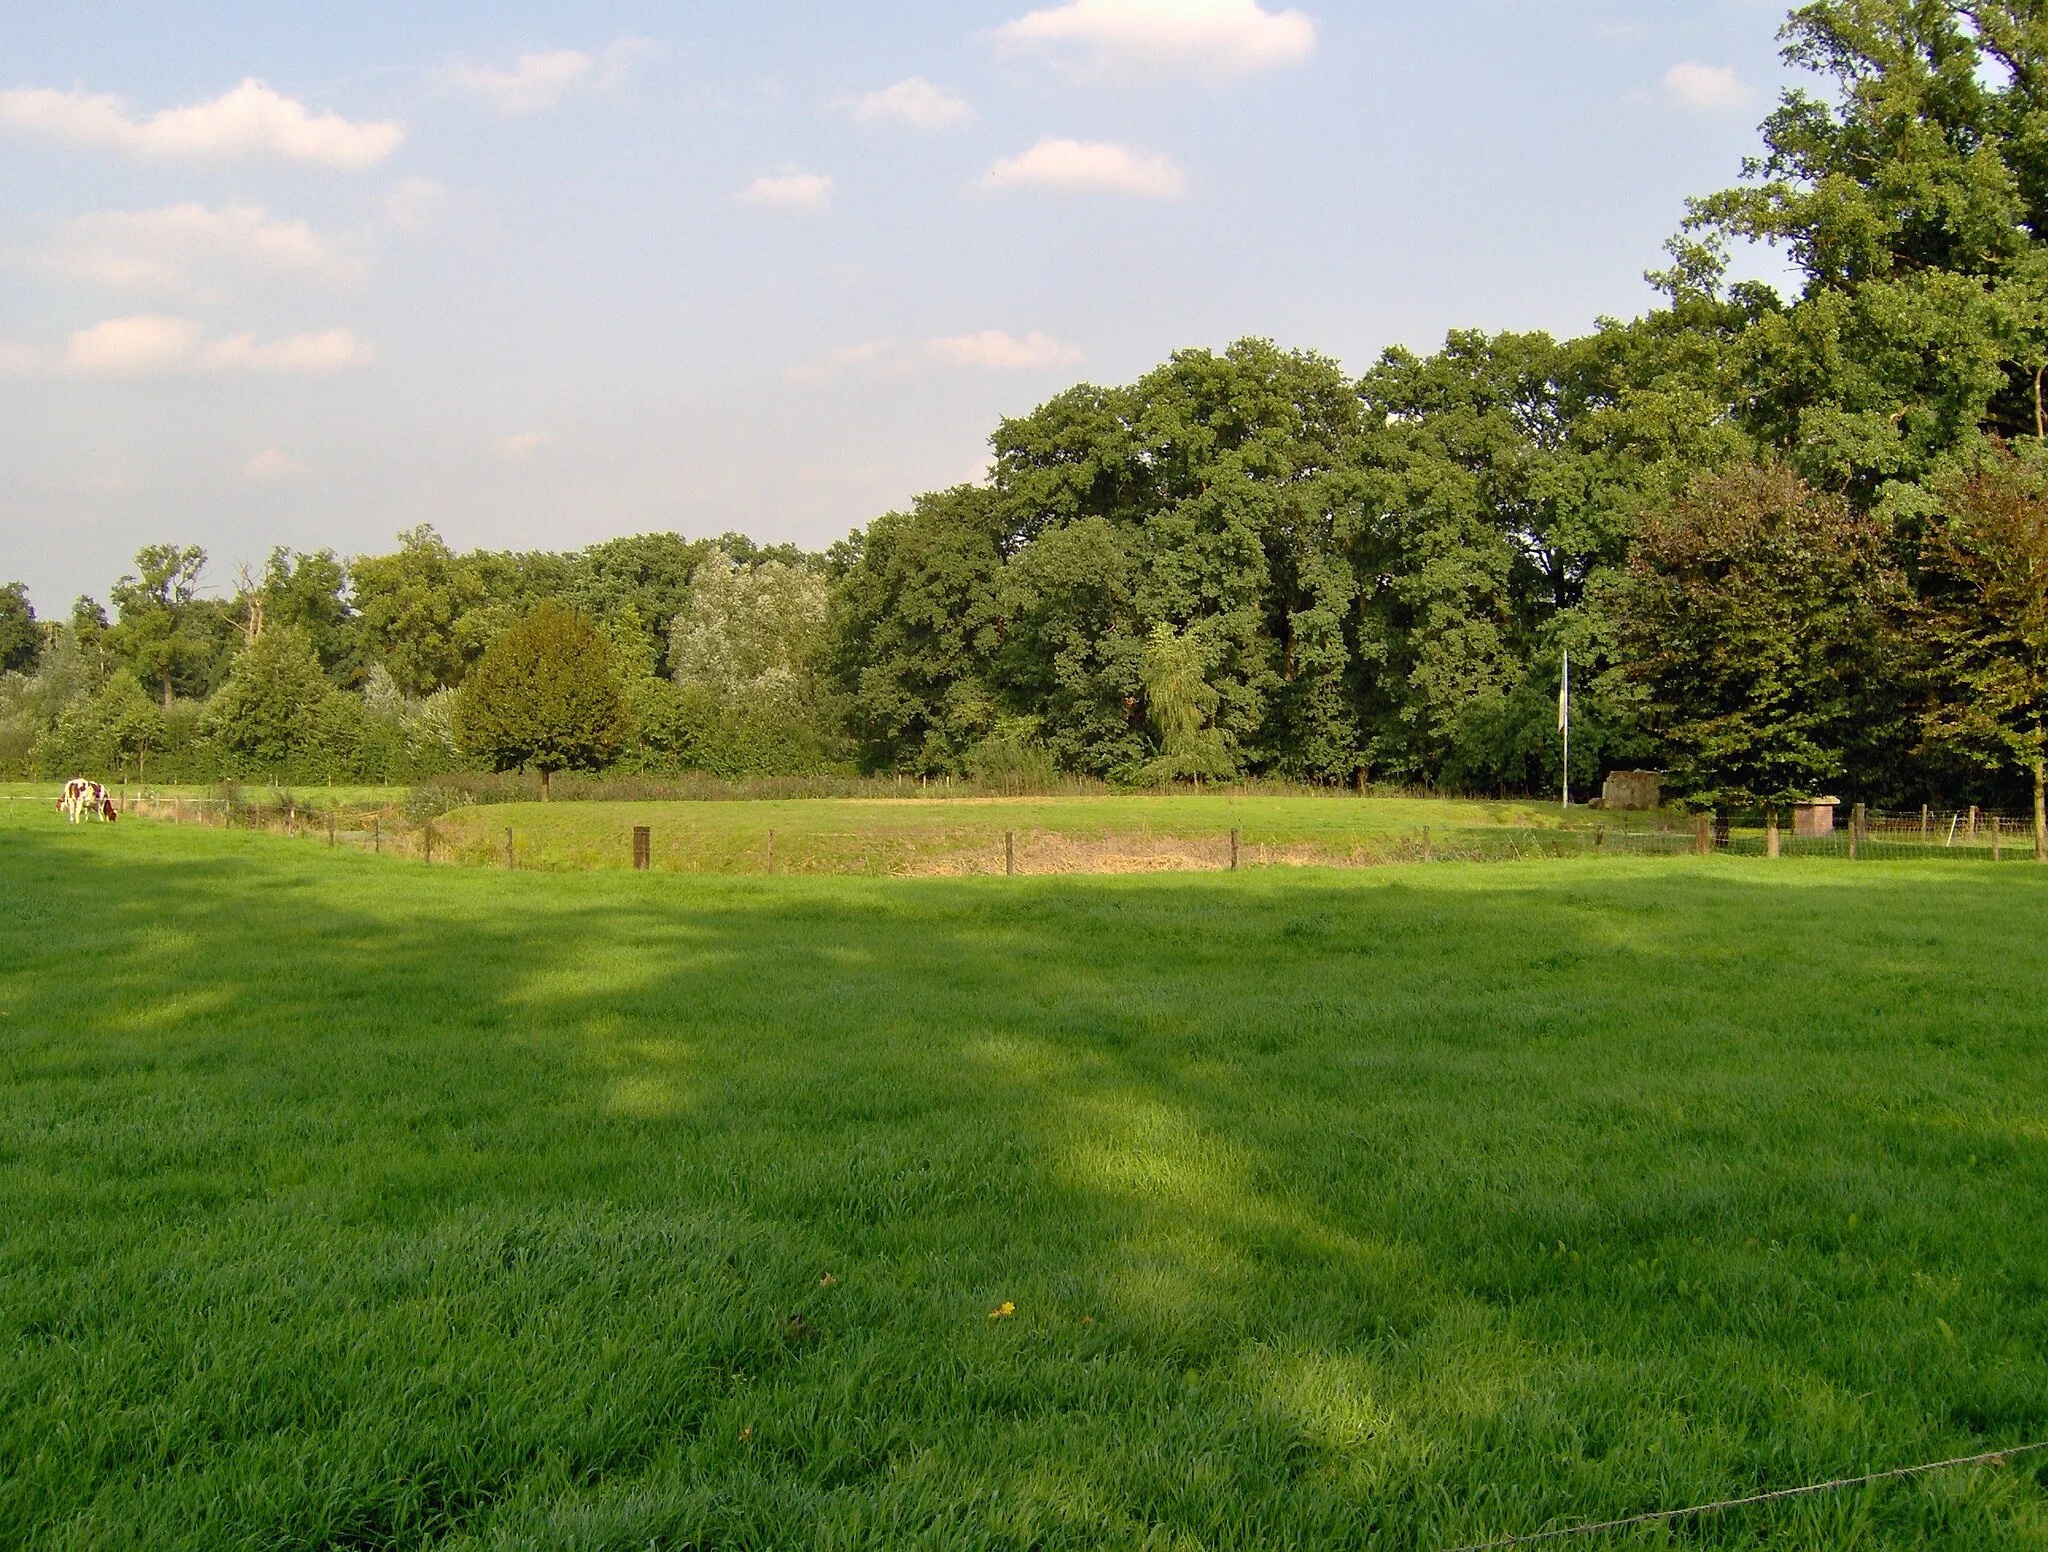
(347, 1203)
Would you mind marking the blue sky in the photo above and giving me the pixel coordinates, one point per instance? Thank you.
(541, 274)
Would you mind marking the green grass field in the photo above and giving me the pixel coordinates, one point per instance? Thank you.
(967, 835)
(347, 1203)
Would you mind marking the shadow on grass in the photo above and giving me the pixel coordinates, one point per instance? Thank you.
(354, 1203)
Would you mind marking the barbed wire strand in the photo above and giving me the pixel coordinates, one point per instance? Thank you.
(1660, 1515)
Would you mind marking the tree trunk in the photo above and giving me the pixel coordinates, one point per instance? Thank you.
(2040, 812)
(167, 692)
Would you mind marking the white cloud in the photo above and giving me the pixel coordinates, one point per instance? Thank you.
(250, 121)
(543, 80)
(188, 248)
(1001, 352)
(1210, 39)
(989, 350)
(1069, 164)
(19, 360)
(790, 189)
(915, 102)
(273, 466)
(524, 446)
(1705, 89)
(141, 346)
(327, 351)
(156, 344)
(535, 81)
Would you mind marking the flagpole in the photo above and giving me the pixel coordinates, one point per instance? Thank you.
(1564, 724)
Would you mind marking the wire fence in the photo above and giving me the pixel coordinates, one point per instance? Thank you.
(1959, 835)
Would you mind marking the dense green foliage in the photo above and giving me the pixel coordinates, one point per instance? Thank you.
(353, 1203)
(1248, 562)
(544, 695)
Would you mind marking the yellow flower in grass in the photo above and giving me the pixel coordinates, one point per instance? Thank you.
(1002, 1311)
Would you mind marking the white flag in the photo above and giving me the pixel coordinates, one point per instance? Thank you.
(1564, 697)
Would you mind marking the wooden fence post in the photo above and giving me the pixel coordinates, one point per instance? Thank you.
(1996, 851)
(1856, 823)
(1702, 835)
(643, 847)
(1233, 851)
(1009, 854)
(1426, 857)
(771, 853)
(1923, 824)
(427, 844)
(1771, 832)
(330, 827)
(1973, 822)
(376, 835)
(509, 862)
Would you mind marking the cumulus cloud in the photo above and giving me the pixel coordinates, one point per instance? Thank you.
(1000, 351)
(1706, 89)
(1098, 168)
(542, 80)
(141, 346)
(189, 249)
(990, 350)
(1210, 39)
(252, 121)
(273, 466)
(915, 102)
(524, 446)
(791, 188)
(157, 344)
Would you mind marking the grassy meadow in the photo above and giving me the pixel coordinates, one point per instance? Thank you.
(349, 1203)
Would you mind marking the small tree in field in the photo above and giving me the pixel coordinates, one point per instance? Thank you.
(1985, 584)
(544, 695)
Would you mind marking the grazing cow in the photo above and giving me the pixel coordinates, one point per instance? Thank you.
(82, 797)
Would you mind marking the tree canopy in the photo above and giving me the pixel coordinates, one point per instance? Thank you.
(544, 694)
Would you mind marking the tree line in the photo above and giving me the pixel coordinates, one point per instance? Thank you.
(1793, 543)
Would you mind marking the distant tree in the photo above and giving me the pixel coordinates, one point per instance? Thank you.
(751, 633)
(1183, 704)
(309, 592)
(915, 616)
(1761, 617)
(1985, 613)
(411, 609)
(21, 638)
(545, 694)
(98, 735)
(268, 711)
(164, 632)
(89, 628)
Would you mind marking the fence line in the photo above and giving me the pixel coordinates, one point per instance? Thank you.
(1959, 835)
(1663, 1516)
